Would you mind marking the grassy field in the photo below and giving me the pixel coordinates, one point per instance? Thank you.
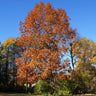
(10, 94)
(15, 94)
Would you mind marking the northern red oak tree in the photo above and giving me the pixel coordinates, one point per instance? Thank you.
(43, 37)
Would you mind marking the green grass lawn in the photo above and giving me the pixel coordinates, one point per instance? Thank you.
(11, 94)
(16, 94)
(21, 94)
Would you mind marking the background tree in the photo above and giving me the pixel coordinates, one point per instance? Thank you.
(9, 52)
(85, 51)
(0, 64)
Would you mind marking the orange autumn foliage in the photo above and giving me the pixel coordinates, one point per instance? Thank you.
(43, 37)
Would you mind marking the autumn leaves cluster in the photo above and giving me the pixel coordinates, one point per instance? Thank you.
(43, 36)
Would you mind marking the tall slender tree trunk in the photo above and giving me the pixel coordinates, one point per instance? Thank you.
(0, 73)
(6, 69)
(26, 83)
(14, 70)
(71, 53)
(0, 64)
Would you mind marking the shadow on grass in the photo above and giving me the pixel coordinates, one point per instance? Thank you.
(13, 94)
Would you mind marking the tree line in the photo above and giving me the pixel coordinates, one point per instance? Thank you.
(49, 53)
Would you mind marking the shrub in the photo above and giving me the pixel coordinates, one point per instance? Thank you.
(66, 86)
(64, 92)
(42, 87)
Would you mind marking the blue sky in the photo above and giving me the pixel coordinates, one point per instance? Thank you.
(81, 12)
